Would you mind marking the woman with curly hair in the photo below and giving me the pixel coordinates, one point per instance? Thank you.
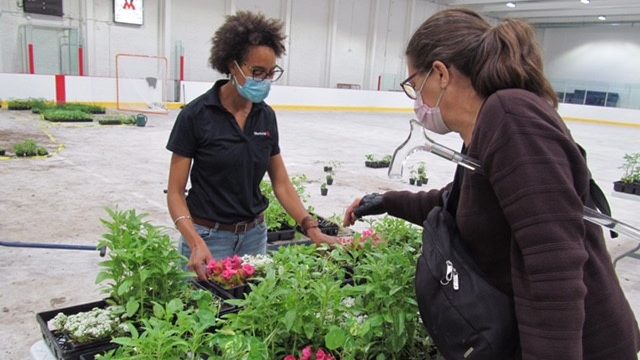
(225, 141)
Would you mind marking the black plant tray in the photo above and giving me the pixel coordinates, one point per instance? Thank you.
(376, 164)
(285, 233)
(224, 308)
(633, 189)
(225, 294)
(326, 227)
(60, 345)
(278, 244)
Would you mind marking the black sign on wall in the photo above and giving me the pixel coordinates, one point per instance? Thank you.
(46, 7)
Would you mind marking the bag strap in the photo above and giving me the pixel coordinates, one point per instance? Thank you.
(452, 196)
(597, 195)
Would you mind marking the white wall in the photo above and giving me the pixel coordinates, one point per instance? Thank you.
(195, 30)
(597, 57)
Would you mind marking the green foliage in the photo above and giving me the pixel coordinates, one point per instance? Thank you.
(174, 330)
(323, 186)
(422, 172)
(117, 120)
(25, 104)
(143, 267)
(276, 217)
(86, 108)
(303, 300)
(29, 148)
(57, 115)
(631, 168)
(368, 157)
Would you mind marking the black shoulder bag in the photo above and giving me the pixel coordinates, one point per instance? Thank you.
(466, 316)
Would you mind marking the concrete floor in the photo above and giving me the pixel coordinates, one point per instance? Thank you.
(61, 199)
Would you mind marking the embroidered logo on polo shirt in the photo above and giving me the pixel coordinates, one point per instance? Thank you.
(262, 133)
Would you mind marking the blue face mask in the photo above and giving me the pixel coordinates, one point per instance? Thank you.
(253, 90)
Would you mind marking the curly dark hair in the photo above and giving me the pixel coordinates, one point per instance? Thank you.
(239, 33)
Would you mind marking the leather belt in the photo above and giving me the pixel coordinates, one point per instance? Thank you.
(236, 228)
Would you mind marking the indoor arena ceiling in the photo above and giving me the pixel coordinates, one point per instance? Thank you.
(556, 12)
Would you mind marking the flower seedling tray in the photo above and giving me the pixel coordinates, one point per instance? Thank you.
(376, 164)
(61, 346)
(326, 227)
(620, 186)
(237, 292)
(224, 307)
(278, 244)
(285, 233)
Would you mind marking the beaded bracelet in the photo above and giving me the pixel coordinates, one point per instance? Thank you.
(183, 217)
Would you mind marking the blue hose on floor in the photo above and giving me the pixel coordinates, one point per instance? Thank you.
(103, 251)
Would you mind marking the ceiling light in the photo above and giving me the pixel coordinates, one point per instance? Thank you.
(585, 1)
(511, 4)
(602, 18)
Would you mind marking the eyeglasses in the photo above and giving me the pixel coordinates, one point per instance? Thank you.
(409, 88)
(259, 73)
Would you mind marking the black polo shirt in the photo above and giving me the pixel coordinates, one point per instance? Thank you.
(228, 163)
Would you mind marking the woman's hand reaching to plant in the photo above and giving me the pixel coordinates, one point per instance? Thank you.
(200, 258)
(318, 237)
(370, 204)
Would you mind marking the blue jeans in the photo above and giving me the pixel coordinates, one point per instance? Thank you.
(224, 244)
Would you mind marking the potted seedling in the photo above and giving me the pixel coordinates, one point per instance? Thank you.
(421, 175)
(369, 160)
(412, 176)
(386, 161)
(330, 178)
(323, 189)
(328, 167)
(630, 181)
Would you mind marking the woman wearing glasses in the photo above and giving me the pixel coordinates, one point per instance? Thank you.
(225, 141)
(521, 219)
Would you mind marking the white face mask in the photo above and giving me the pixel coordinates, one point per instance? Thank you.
(430, 117)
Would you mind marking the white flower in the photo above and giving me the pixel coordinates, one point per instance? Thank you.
(360, 319)
(348, 302)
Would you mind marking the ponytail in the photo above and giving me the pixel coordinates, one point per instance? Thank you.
(502, 57)
(509, 57)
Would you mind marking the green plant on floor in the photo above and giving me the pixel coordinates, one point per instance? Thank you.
(143, 267)
(117, 120)
(86, 108)
(631, 168)
(25, 104)
(369, 157)
(329, 177)
(276, 217)
(422, 173)
(58, 115)
(29, 148)
(387, 160)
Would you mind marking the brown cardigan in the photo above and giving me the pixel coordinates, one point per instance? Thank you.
(522, 221)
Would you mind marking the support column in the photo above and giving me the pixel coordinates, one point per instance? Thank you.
(230, 7)
(88, 38)
(370, 81)
(331, 41)
(285, 16)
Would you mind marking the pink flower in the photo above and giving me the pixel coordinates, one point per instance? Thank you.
(289, 357)
(248, 270)
(228, 274)
(367, 233)
(236, 262)
(321, 355)
(307, 353)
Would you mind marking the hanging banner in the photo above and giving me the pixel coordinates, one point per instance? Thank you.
(128, 12)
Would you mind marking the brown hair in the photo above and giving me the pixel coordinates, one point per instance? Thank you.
(494, 58)
(239, 33)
